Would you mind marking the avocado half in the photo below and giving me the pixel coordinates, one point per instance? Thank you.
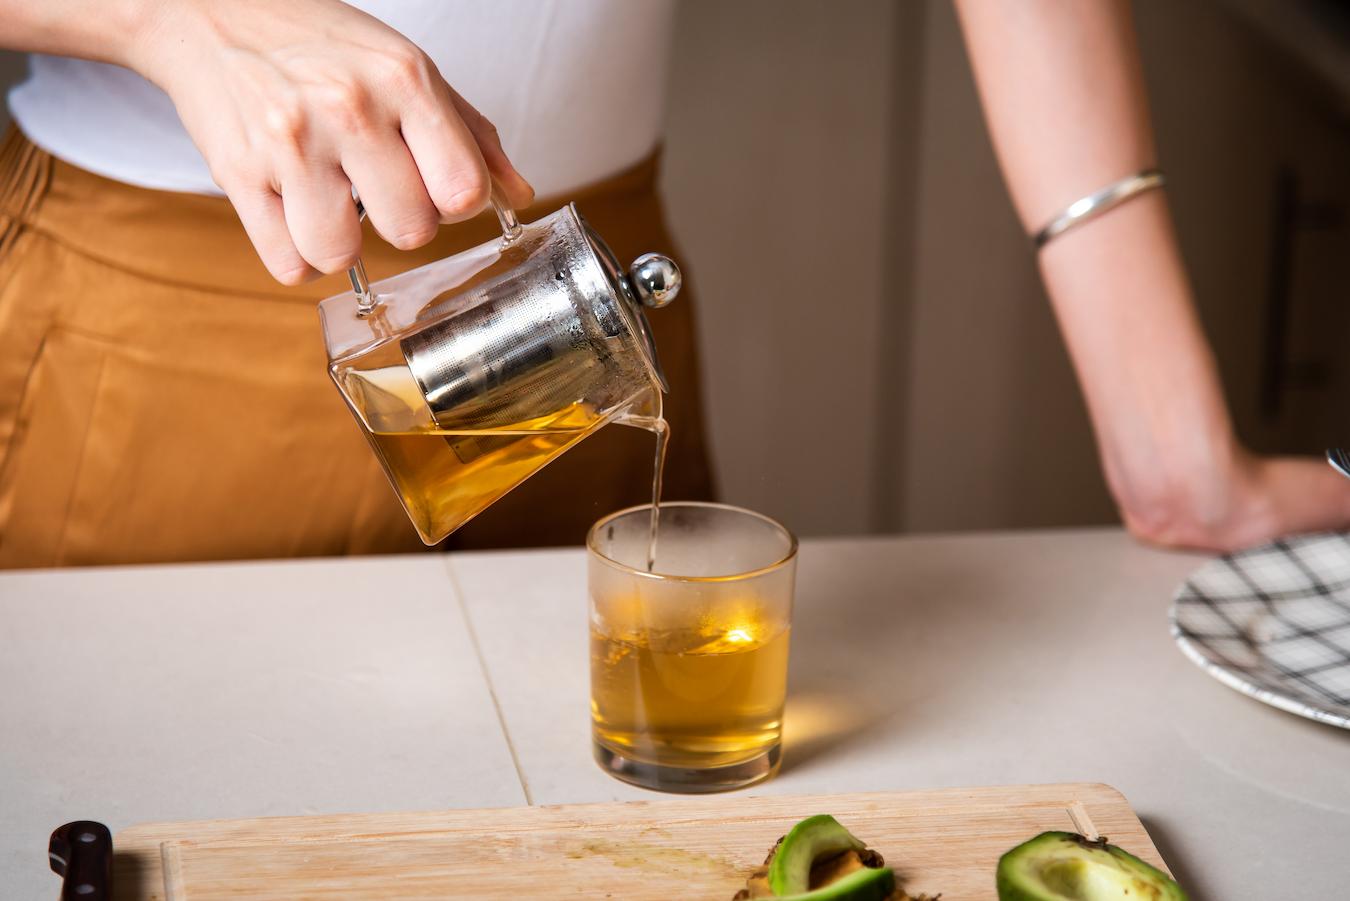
(819, 851)
(814, 837)
(1065, 866)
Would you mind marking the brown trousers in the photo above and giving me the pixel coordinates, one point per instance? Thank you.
(163, 399)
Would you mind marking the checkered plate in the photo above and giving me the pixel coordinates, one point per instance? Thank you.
(1274, 623)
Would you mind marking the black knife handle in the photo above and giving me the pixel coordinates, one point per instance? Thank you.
(81, 854)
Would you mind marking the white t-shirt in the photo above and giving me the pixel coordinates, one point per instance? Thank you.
(576, 89)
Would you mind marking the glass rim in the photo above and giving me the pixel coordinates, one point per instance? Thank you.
(788, 556)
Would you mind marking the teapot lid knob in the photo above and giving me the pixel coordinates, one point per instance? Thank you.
(655, 279)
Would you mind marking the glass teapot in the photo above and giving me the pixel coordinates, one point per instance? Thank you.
(470, 374)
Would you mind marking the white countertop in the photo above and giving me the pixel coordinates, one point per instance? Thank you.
(191, 692)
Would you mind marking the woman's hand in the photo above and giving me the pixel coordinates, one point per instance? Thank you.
(1238, 501)
(293, 104)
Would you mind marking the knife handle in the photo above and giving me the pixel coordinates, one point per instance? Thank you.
(81, 854)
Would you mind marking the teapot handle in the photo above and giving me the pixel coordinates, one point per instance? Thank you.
(366, 300)
(506, 216)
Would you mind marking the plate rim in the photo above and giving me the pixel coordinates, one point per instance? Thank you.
(1196, 651)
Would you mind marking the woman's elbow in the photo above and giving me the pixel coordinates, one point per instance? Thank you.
(1194, 512)
(1170, 522)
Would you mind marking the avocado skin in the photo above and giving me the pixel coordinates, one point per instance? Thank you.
(1014, 885)
(790, 871)
(860, 885)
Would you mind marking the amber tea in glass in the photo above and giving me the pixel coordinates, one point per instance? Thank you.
(689, 659)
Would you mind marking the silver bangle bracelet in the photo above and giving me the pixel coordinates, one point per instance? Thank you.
(1093, 205)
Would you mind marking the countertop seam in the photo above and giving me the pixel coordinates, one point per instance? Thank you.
(487, 679)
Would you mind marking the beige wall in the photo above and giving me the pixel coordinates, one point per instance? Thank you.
(775, 177)
(1230, 114)
(995, 431)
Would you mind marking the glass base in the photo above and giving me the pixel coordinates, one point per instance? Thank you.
(687, 780)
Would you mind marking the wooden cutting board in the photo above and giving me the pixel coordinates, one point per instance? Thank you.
(944, 841)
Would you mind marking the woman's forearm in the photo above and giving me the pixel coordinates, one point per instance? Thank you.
(1064, 97)
(102, 30)
(1123, 301)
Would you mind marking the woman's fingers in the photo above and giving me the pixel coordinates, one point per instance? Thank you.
(448, 159)
(436, 170)
(434, 160)
(260, 211)
(392, 191)
(321, 217)
(518, 190)
(293, 103)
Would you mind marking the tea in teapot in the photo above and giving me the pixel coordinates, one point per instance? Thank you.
(470, 374)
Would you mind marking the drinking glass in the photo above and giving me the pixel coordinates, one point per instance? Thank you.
(689, 660)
